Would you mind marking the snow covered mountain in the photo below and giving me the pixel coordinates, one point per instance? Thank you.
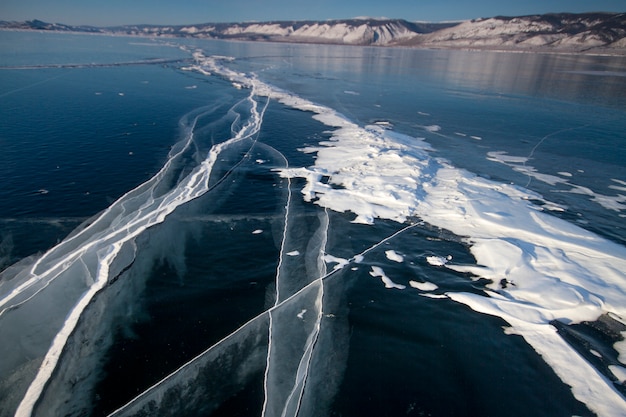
(40, 25)
(364, 31)
(586, 32)
(563, 31)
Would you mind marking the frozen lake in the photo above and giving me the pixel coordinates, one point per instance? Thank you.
(218, 228)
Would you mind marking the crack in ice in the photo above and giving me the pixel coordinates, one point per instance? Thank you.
(91, 241)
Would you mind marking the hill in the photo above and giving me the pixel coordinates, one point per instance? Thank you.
(561, 32)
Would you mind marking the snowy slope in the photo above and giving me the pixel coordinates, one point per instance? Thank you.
(352, 32)
(557, 31)
(563, 31)
(552, 32)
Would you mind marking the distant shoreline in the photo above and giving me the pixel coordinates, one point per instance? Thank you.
(499, 34)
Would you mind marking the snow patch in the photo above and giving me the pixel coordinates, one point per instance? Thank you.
(393, 256)
(378, 272)
(424, 286)
(438, 260)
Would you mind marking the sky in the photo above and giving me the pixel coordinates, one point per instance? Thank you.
(176, 12)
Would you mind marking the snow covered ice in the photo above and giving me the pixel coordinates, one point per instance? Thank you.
(287, 239)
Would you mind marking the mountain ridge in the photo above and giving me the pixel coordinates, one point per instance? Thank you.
(596, 32)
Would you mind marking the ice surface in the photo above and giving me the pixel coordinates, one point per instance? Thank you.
(58, 287)
(519, 164)
(306, 339)
(553, 269)
(375, 173)
(510, 238)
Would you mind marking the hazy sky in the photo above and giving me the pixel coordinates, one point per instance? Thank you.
(113, 12)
